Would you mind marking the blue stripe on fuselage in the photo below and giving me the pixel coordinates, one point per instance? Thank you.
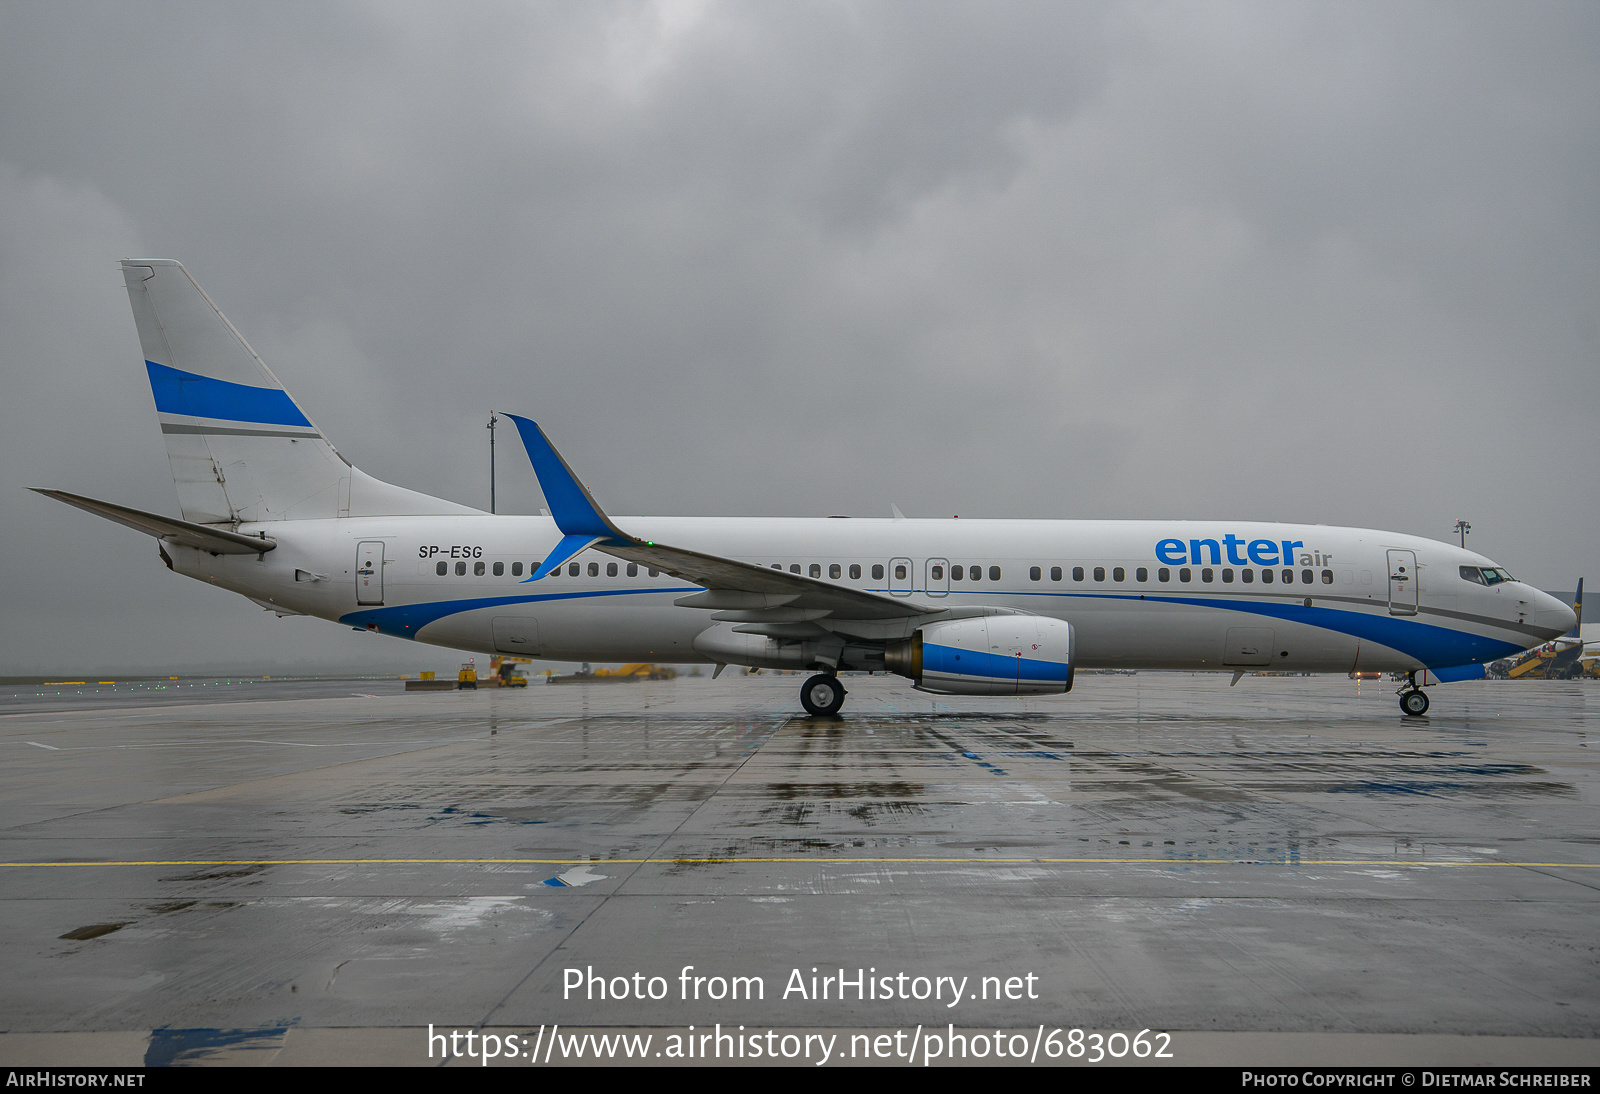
(1434, 646)
(179, 392)
(405, 620)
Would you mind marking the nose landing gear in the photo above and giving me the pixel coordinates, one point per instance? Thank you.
(822, 694)
(1413, 701)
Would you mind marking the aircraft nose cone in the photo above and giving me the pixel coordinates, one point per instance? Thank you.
(1553, 616)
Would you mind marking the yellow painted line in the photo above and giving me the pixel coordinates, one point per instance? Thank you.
(812, 860)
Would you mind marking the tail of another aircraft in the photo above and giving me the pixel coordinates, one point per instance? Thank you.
(240, 447)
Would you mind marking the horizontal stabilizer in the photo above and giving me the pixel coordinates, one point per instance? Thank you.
(181, 532)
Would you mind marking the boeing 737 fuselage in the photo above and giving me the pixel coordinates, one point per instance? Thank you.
(976, 607)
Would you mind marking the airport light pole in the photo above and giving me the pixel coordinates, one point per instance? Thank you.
(490, 427)
(1463, 527)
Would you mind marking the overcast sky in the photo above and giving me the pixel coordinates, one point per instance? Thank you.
(1305, 262)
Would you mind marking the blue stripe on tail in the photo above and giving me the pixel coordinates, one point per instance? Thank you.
(179, 392)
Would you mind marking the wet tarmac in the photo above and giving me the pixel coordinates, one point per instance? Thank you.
(1286, 871)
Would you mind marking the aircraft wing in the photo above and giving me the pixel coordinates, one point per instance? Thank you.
(741, 589)
(182, 532)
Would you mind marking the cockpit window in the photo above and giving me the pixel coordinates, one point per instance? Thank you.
(1488, 575)
(1470, 573)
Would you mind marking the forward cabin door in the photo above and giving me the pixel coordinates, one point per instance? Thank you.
(1402, 583)
(369, 571)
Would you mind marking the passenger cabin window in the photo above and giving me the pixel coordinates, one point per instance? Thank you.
(816, 570)
(1142, 574)
(937, 573)
(572, 570)
(1163, 574)
(444, 568)
(855, 571)
(1227, 576)
(1307, 576)
(834, 571)
(611, 569)
(877, 573)
(653, 573)
(1099, 573)
(461, 569)
(794, 568)
(516, 569)
(1327, 577)
(633, 569)
(1288, 577)
(1034, 573)
(1118, 573)
(1206, 575)
(594, 569)
(976, 573)
(1077, 573)
(957, 573)
(1183, 574)
(900, 572)
(499, 569)
(477, 569)
(1247, 576)
(994, 573)
(1266, 577)
(1055, 573)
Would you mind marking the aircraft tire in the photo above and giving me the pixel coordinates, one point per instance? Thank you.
(1413, 703)
(822, 694)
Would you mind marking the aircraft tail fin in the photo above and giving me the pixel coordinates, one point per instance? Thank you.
(1577, 608)
(240, 447)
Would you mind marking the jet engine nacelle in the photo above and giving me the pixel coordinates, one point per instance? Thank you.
(990, 655)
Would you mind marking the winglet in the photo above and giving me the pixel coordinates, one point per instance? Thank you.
(574, 510)
(569, 546)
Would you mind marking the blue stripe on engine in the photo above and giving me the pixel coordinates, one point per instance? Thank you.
(405, 620)
(179, 392)
(994, 666)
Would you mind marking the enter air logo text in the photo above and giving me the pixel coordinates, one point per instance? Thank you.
(1238, 552)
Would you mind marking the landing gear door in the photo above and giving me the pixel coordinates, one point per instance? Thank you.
(369, 571)
(1402, 583)
(900, 578)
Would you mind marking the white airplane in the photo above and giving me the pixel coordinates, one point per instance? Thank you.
(272, 511)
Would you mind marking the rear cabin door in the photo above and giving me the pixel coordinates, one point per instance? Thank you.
(1402, 583)
(369, 571)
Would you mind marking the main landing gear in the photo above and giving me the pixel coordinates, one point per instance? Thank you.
(1413, 702)
(822, 694)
